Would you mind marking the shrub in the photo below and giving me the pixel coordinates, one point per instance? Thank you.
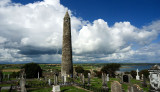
(133, 73)
(144, 72)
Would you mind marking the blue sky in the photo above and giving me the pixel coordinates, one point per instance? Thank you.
(102, 31)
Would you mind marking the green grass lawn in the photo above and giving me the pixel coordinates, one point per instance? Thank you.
(63, 89)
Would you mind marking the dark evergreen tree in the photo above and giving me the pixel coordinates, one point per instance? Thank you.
(79, 69)
(32, 69)
(110, 69)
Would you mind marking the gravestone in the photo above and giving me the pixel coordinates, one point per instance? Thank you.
(126, 78)
(135, 88)
(8, 76)
(55, 78)
(144, 84)
(56, 88)
(65, 79)
(104, 82)
(137, 77)
(107, 77)
(38, 75)
(154, 78)
(142, 77)
(103, 79)
(23, 81)
(49, 82)
(89, 78)
(83, 79)
(116, 87)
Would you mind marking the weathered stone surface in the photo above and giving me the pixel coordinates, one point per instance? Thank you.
(154, 78)
(116, 87)
(125, 78)
(67, 65)
(56, 88)
(134, 88)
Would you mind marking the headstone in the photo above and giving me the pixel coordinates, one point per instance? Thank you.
(8, 76)
(55, 79)
(142, 77)
(38, 75)
(83, 79)
(89, 78)
(126, 78)
(154, 78)
(107, 77)
(65, 79)
(56, 88)
(116, 87)
(137, 77)
(135, 88)
(49, 82)
(103, 79)
(144, 84)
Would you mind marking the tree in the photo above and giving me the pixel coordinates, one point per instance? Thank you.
(86, 73)
(110, 69)
(133, 73)
(145, 73)
(32, 69)
(79, 69)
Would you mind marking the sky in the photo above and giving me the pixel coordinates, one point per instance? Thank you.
(104, 31)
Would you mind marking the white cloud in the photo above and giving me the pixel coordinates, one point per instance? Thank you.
(37, 28)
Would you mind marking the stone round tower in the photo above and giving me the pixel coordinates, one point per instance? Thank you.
(66, 64)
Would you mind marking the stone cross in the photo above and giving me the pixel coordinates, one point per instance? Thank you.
(135, 88)
(116, 87)
(137, 77)
(22, 82)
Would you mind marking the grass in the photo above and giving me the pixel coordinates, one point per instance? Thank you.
(63, 89)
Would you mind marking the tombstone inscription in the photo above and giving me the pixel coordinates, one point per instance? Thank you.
(116, 87)
(154, 78)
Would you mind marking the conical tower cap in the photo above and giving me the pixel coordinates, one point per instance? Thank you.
(67, 15)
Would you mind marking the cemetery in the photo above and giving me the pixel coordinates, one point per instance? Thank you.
(123, 82)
